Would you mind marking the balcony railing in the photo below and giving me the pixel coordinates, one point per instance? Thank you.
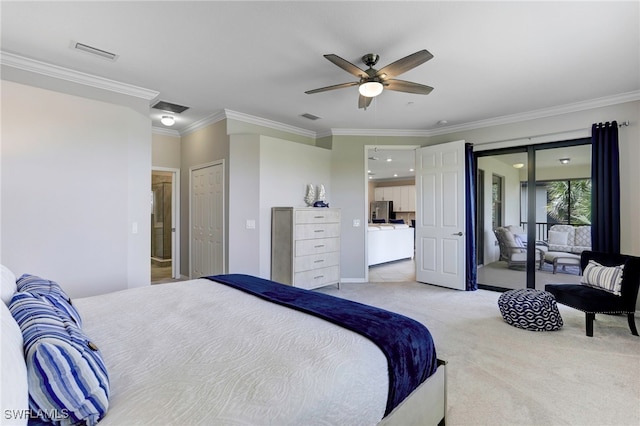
(542, 228)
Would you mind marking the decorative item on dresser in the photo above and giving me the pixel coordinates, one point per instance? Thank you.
(305, 246)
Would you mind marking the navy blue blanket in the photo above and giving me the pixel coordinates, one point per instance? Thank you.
(406, 343)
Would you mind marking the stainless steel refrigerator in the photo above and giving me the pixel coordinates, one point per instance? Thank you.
(379, 210)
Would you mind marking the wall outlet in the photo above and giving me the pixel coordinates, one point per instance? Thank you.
(356, 223)
(251, 224)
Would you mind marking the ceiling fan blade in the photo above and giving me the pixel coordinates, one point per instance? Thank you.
(407, 86)
(405, 64)
(346, 65)
(364, 102)
(334, 87)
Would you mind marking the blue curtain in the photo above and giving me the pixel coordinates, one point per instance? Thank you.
(605, 188)
(470, 226)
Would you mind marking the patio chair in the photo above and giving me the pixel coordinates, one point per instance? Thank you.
(595, 300)
(514, 252)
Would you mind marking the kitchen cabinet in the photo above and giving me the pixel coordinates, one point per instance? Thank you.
(403, 197)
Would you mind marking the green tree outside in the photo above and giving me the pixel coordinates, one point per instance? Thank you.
(569, 201)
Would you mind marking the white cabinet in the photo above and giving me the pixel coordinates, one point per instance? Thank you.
(305, 246)
(403, 197)
(383, 193)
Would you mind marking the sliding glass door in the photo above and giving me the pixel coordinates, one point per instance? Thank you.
(502, 239)
(522, 193)
(563, 211)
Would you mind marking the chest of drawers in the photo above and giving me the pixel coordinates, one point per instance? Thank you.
(305, 246)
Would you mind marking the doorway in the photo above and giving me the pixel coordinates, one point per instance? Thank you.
(390, 207)
(164, 216)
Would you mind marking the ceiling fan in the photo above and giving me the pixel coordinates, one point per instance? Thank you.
(371, 81)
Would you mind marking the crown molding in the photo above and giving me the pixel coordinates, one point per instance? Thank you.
(207, 121)
(251, 119)
(55, 71)
(497, 121)
(541, 113)
(166, 132)
(380, 132)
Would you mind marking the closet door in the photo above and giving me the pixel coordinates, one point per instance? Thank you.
(207, 220)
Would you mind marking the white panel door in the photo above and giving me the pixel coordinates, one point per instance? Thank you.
(207, 221)
(440, 215)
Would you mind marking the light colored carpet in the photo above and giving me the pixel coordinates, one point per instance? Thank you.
(501, 375)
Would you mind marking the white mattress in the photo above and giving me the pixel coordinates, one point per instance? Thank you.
(198, 352)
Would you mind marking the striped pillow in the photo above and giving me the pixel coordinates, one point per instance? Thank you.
(68, 381)
(52, 291)
(36, 285)
(607, 278)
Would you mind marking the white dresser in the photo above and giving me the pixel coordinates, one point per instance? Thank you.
(305, 246)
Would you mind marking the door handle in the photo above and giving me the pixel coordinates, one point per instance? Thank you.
(459, 234)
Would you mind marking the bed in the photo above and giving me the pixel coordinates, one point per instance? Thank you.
(241, 350)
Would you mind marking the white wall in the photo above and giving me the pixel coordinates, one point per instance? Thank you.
(76, 174)
(285, 170)
(244, 204)
(165, 151)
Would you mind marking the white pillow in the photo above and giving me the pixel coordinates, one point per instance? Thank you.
(607, 278)
(8, 285)
(14, 390)
(558, 238)
(521, 240)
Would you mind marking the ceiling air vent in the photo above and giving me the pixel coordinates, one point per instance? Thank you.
(94, 51)
(310, 116)
(169, 107)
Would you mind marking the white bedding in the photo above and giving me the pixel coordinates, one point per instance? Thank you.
(199, 352)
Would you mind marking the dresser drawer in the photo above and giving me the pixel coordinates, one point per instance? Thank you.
(321, 245)
(317, 230)
(316, 261)
(318, 215)
(317, 277)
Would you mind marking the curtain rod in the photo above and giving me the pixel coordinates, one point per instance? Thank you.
(623, 124)
(545, 135)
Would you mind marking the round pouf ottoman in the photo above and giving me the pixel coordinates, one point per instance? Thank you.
(530, 309)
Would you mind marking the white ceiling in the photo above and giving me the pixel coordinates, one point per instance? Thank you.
(491, 59)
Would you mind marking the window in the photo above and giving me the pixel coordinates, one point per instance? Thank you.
(569, 201)
(497, 194)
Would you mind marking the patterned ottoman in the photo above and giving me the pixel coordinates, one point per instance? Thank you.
(530, 309)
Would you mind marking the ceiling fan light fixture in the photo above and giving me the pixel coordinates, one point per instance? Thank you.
(370, 89)
(168, 120)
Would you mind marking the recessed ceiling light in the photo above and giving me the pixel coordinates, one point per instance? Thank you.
(442, 122)
(389, 159)
(518, 165)
(564, 160)
(395, 175)
(411, 170)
